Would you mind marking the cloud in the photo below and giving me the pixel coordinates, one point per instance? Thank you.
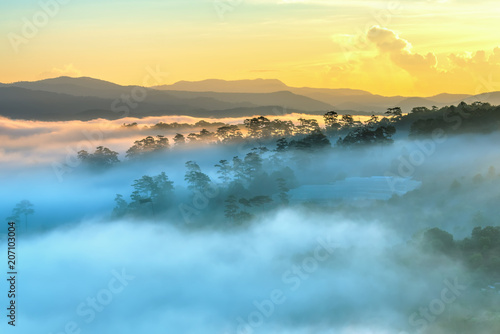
(204, 282)
(381, 56)
(387, 40)
(67, 70)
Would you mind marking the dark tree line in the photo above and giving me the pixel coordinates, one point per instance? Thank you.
(476, 117)
(480, 252)
(307, 135)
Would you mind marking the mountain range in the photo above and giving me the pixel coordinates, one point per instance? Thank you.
(84, 98)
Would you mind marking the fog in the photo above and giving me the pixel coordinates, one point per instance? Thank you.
(352, 265)
(205, 281)
(35, 142)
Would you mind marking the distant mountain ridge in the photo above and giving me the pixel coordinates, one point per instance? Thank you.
(83, 86)
(85, 98)
(223, 86)
(340, 98)
(210, 101)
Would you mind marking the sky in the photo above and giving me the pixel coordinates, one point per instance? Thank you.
(393, 47)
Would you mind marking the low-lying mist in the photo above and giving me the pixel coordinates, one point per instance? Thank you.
(37, 142)
(67, 193)
(129, 249)
(291, 272)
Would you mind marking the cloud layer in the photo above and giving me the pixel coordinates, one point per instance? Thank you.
(329, 274)
(383, 55)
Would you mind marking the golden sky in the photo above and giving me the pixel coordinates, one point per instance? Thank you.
(402, 47)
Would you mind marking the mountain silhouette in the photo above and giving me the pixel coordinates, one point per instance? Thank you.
(85, 98)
